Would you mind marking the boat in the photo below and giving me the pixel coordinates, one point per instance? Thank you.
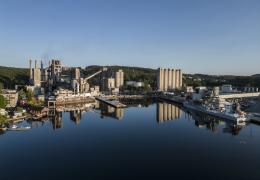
(228, 114)
(16, 128)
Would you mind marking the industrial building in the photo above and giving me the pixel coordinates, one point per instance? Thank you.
(119, 78)
(112, 81)
(169, 79)
(135, 84)
(35, 74)
(11, 97)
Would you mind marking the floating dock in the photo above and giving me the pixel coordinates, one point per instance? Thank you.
(115, 104)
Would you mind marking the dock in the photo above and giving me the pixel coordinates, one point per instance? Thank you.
(113, 103)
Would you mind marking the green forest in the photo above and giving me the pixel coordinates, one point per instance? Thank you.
(9, 77)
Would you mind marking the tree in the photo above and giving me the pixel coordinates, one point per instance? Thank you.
(3, 102)
(29, 95)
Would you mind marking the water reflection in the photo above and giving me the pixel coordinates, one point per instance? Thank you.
(109, 111)
(214, 124)
(166, 112)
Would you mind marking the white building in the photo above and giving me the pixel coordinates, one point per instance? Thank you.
(134, 84)
(226, 88)
(199, 93)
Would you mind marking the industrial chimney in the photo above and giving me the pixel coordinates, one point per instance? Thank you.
(30, 66)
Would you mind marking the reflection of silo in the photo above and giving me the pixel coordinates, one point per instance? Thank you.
(165, 116)
(176, 113)
(119, 113)
(159, 112)
(173, 111)
(110, 109)
(169, 106)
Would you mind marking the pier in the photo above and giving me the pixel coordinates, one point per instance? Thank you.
(115, 104)
(239, 95)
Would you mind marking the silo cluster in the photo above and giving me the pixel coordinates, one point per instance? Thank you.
(169, 79)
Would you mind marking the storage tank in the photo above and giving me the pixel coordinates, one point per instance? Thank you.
(216, 91)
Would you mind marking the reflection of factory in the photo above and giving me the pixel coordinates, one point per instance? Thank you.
(57, 120)
(169, 79)
(106, 110)
(167, 112)
(111, 81)
(75, 116)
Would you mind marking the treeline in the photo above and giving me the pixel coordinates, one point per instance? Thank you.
(9, 77)
(146, 75)
(213, 80)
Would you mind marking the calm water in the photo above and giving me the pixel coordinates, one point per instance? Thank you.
(156, 141)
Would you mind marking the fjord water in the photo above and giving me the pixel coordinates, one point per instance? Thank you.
(156, 141)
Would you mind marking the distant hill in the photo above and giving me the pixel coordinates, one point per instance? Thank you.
(146, 75)
(10, 76)
(256, 75)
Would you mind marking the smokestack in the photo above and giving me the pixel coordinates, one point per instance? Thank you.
(41, 65)
(35, 64)
(30, 66)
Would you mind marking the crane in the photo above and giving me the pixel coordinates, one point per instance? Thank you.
(96, 73)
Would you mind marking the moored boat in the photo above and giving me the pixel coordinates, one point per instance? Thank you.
(227, 114)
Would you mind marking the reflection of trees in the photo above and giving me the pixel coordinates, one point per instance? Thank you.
(2, 132)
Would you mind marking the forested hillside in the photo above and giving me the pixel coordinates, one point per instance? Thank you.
(10, 76)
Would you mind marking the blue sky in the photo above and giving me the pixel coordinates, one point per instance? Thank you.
(199, 36)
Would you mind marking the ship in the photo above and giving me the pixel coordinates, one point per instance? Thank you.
(227, 114)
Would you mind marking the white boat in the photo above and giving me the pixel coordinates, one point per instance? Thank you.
(227, 114)
(16, 128)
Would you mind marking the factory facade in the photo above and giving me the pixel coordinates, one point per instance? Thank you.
(169, 79)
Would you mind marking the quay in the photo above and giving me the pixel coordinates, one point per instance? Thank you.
(115, 104)
(239, 95)
(66, 101)
(110, 97)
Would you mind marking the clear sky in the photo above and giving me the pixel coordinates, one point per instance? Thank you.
(199, 36)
